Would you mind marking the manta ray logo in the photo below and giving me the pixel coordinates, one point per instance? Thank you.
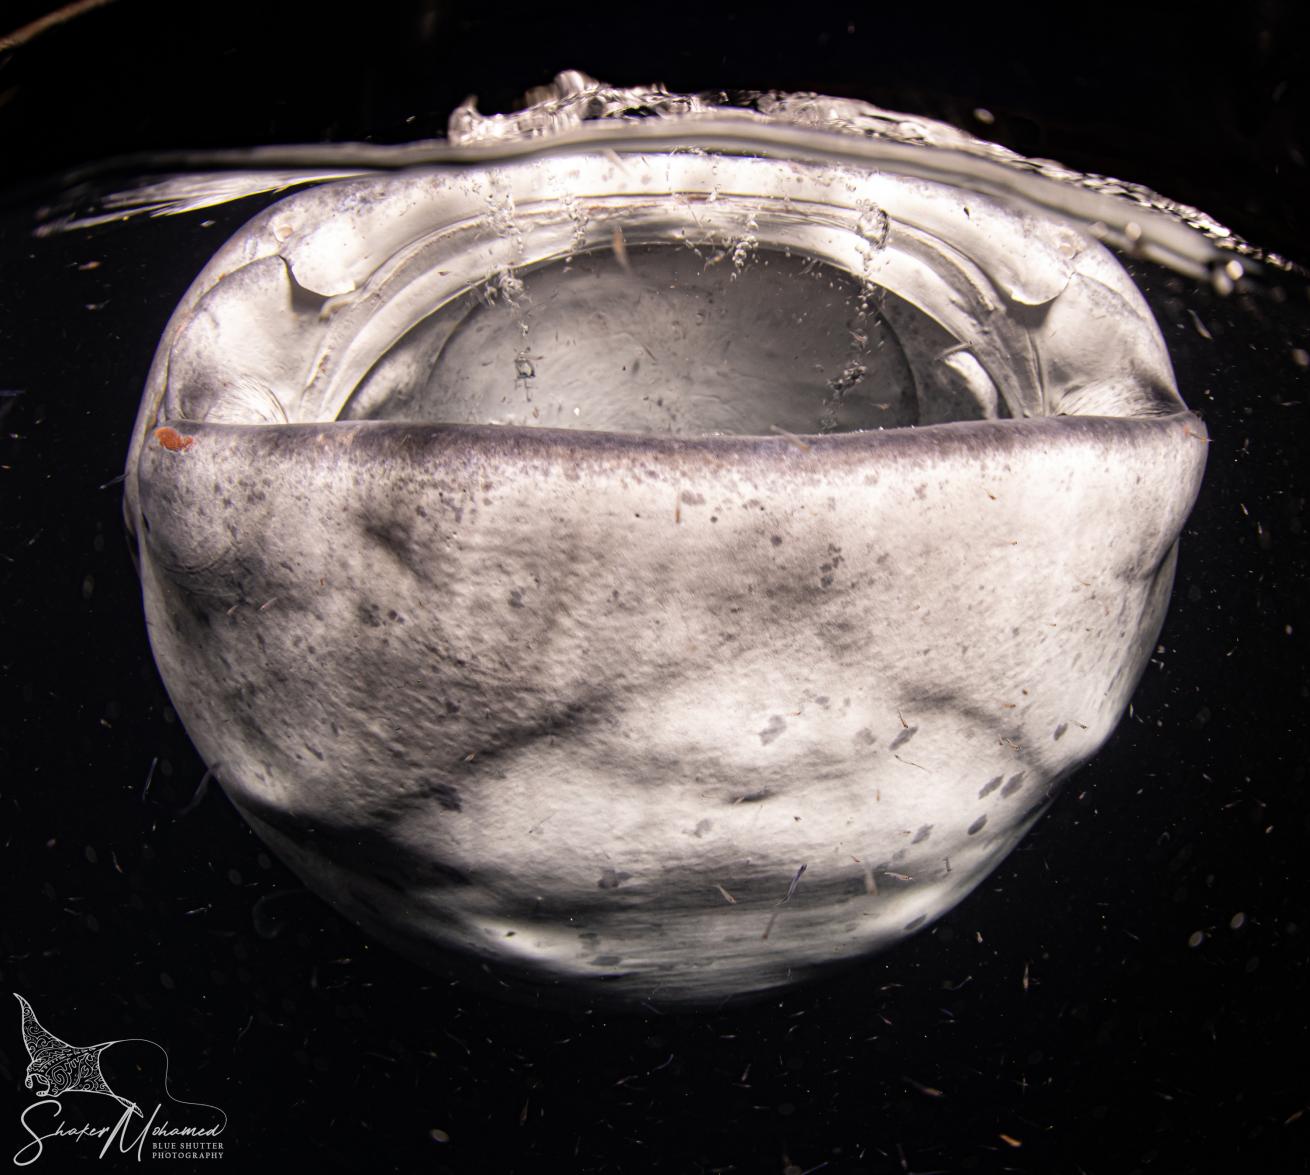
(56, 1068)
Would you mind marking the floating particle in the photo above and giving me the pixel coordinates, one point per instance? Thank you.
(791, 889)
(621, 251)
(1201, 328)
(199, 795)
(150, 775)
(795, 881)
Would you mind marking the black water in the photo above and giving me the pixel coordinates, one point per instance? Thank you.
(1127, 993)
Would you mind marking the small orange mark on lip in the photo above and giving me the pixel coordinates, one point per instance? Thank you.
(173, 441)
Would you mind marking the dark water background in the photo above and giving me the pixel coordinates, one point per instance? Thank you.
(1068, 1004)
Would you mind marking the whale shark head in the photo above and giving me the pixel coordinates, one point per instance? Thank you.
(669, 554)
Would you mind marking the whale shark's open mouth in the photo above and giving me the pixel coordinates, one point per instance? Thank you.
(678, 293)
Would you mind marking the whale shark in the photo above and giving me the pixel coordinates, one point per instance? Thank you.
(647, 550)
